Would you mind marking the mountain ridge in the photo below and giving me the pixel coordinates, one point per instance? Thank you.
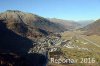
(68, 24)
(93, 28)
(27, 24)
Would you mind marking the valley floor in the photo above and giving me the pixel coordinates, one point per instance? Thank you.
(75, 45)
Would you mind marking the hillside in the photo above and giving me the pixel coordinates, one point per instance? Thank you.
(84, 23)
(18, 33)
(93, 28)
(68, 24)
(14, 49)
(12, 42)
(28, 24)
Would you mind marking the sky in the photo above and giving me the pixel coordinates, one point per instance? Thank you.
(61, 9)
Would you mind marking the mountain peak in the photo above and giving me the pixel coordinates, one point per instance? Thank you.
(13, 11)
(27, 24)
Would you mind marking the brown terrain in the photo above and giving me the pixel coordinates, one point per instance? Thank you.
(24, 37)
(93, 28)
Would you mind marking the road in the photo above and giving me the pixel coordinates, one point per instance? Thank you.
(89, 41)
(81, 37)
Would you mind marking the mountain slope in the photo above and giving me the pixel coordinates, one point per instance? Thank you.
(27, 23)
(14, 49)
(85, 22)
(93, 28)
(12, 42)
(68, 24)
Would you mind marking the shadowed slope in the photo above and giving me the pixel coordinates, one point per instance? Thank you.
(14, 48)
(10, 41)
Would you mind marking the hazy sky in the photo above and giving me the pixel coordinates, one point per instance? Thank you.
(63, 9)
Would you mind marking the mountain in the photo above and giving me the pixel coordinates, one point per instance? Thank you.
(12, 42)
(85, 22)
(18, 31)
(14, 49)
(93, 28)
(28, 24)
(68, 24)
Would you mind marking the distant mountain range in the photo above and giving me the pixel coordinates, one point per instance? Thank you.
(93, 28)
(68, 24)
(84, 23)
